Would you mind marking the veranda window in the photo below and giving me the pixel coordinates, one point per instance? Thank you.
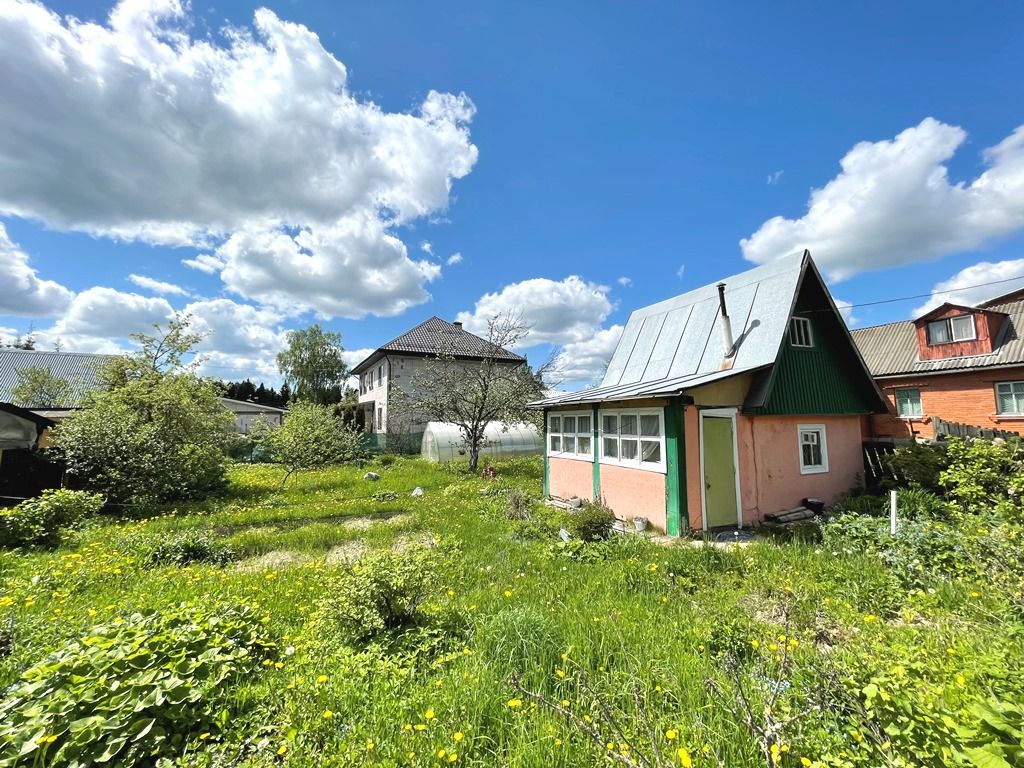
(633, 438)
(570, 434)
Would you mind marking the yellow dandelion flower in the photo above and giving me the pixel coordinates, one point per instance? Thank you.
(684, 757)
(429, 714)
(453, 757)
(328, 714)
(322, 678)
(671, 734)
(459, 736)
(515, 703)
(282, 749)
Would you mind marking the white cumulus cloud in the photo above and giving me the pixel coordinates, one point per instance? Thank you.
(974, 284)
(557, 311)
(455, 258)
(157, 286)
(893, 203)
(586, 360)
(22, 291)
(625, 282)
(146, 133)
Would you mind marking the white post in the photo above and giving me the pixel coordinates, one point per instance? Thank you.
(892, 512)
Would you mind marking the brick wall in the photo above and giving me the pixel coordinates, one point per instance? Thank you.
(966, 397)
(634, 493)
(570, 477)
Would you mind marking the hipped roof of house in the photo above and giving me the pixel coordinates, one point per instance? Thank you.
(436, 336)
(677, 344)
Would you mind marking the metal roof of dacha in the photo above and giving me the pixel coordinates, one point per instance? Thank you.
(891, 349)
(76, 368)
(677, 344)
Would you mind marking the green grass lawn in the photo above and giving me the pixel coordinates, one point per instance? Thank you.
(527, 652)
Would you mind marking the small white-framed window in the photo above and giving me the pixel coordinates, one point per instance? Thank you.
(950, 329)
(571, 434)
(1010, 398)
(813, 446)
(800, 332)
(633, 438)
(908, 402)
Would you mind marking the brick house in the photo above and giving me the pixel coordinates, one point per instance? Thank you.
(719, 406)
(396, 363)
(958, 363)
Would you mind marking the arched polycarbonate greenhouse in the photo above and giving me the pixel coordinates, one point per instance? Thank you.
(443, 441)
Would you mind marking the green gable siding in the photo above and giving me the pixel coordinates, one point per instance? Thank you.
(825, 379)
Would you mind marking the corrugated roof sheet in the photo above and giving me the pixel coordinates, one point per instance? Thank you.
(436, 335)
(677, 344)
(76, 368)
(891, 350)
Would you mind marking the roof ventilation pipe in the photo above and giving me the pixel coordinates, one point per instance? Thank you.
(730, 348)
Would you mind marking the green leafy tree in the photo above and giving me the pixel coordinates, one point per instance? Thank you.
(155, 431)
(39, 387)
(311, 436)
(312, 365)
(473, 394)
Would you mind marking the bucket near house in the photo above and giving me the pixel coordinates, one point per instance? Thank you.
(640, 523)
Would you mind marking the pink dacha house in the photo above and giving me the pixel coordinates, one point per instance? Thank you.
(719, 406)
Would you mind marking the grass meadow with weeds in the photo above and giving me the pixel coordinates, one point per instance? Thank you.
(342, 621)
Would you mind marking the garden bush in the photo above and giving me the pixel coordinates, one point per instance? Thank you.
(985, 476)
(132, 692)
(591, 522)
(196, 546)
(381, 593)
(40, 522)
(920, 464)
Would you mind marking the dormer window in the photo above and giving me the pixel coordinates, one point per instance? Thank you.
(951, 329)
(800, 332)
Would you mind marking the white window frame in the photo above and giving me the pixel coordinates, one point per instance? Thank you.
(812, 469)
(1011, 385)
(947, 322)
(800, 331)
(563, 454)
(638, 463)
(896, 400)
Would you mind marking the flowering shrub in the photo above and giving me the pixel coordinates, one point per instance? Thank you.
(41, 521)
(130, 691)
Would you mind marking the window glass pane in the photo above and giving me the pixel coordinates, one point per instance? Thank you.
(583, 445)
(800, 332)
(810, 448)
(568, 444)
(582, 425)
(611, 447)
(629, 450)
(963, 327)
(650, 450)
(568, 425)
(938, 332)
(908, 402)
(556, 443)
(609, 424)
(627, 424)
(650, 425)
(556, 424)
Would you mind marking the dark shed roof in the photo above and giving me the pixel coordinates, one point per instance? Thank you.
(78, 369)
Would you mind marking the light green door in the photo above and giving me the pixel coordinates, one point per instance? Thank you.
(719, 472)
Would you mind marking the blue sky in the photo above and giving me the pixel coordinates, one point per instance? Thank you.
(602, 140)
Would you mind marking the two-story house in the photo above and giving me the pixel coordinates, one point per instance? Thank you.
(959, 363)
(400, 361)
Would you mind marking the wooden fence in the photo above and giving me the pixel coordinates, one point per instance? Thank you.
(945, 428)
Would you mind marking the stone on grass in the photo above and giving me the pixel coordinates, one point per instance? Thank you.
(371, 476)
(417, 491)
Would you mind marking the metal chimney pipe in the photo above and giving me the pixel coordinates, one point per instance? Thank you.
(730, 348)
